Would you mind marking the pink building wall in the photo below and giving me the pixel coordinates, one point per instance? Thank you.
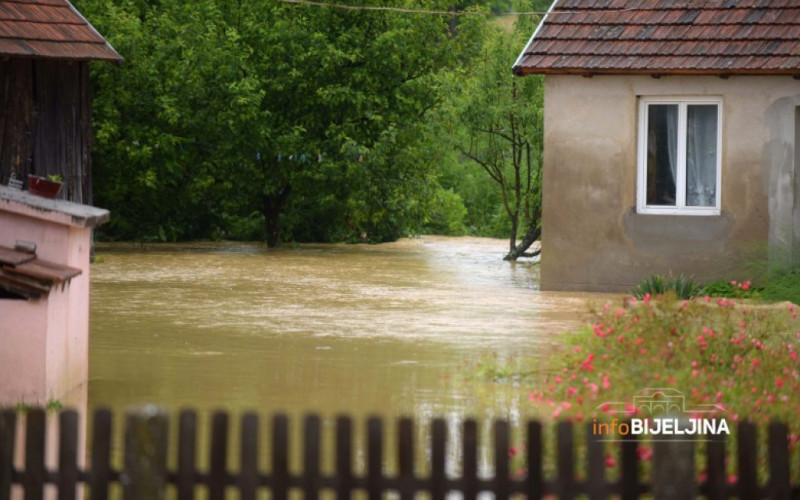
(44, 343)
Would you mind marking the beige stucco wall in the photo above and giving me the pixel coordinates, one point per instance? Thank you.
(593, 239)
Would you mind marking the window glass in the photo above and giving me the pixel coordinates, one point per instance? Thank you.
(662, 154)
(701, 155)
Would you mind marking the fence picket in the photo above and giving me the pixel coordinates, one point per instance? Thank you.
(217, 474)
(280, 457)
(715, 485)
(248, 449)
(146, 476)
(535, 453)
(438, 482)
(746, 461)
(187, 455)
(374, 458)
(146, 439)
(311, 457)
(779, 481)
(470, 460)
(405, 455)
(344, 457)
(565, 462)
(8, 432)
(34, 455)
(101, 455)
(67, 455)
(596, 481)
(629, 488)
(502, 473)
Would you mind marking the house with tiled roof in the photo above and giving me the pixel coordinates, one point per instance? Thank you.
(672, 138)
(45, 129)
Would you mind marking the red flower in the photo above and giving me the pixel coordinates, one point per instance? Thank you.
(644, 453)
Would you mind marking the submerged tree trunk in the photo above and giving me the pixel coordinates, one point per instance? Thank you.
(533, 234)
(272, 208)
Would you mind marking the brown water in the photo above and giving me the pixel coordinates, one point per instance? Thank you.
(387, 329)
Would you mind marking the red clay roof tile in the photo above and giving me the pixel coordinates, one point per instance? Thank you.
(50, 29)
(666, 36)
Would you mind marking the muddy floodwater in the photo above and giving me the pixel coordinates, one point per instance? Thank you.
(362, 329)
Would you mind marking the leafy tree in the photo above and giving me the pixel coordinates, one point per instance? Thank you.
(498, 125)
(242, 119)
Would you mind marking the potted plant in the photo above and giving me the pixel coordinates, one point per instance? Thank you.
(47, 187)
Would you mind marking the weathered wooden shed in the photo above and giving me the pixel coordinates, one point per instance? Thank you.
(45, 122)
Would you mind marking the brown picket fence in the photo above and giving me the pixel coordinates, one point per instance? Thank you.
(145, 472)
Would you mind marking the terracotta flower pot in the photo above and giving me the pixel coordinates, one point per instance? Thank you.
(42, 186)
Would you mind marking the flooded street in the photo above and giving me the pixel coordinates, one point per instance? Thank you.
(383, 329)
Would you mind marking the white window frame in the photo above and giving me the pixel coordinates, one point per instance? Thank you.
(680, 207)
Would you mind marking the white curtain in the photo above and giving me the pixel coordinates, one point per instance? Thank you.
(701, 156)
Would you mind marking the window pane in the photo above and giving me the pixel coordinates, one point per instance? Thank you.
(662, 153)
(701, 155)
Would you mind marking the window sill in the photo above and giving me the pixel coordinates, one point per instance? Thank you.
(702, 212)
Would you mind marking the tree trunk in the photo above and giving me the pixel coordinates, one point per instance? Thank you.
(272, 208)
(534, 233)
(512, 240)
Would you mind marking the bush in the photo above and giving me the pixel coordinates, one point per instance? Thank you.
(448, 214)
(732, 290)
(743, 358)
(783, 286)
(656, 284)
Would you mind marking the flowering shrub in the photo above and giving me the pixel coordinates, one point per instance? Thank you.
(742, 358)
(732, 289)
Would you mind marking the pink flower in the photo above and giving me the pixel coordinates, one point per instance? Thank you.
(746, 285)
(646, 298)
(644, 453)
(610, 462)
(779, 382)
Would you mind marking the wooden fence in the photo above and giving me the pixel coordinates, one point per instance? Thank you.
(145, 473)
